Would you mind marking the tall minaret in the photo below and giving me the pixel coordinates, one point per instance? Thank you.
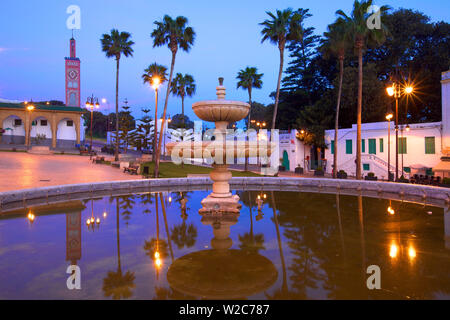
(446, 111)
(73, 98)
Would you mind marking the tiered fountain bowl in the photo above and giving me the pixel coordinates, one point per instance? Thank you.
(222, 112)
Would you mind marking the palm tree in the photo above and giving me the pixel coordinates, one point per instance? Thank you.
(285, 26)
(175, 34)
(336, 43)
(183, 86)
(249, 78)
(114, 45)
(362, 36)
(155, 71)
(117, 284)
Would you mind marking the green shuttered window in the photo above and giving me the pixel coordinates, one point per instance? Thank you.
(429, 145)
(402, 145)
(348, 147)
(372, 146)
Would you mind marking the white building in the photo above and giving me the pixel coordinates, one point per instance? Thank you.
(423, 149)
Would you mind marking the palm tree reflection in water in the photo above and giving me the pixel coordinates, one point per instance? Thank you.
(118, 285)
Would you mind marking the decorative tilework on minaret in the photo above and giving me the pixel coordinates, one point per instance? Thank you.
(72, 75)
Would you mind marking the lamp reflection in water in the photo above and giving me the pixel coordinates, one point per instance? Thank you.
(260, 202)
(390, 210)
(396, 248)
(31, 217)
(92, 222)
(395, 251)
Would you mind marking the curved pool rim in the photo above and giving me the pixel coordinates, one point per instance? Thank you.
(421, 194)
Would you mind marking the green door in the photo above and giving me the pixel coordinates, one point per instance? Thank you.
(286, 160)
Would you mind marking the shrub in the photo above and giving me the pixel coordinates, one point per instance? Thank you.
(371, 174)
(446, 181)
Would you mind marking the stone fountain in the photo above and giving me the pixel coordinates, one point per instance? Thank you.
(222, 112)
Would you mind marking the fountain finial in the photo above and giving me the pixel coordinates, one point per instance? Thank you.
(220, 90)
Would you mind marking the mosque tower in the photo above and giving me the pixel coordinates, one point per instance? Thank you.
(73, 98)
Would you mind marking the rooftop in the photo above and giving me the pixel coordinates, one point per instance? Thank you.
(8, 105)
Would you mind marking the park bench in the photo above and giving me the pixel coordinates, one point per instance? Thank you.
(98, 159)
(132, 169)
(115, 164)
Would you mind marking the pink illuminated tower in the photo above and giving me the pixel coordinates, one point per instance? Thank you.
(73, 77)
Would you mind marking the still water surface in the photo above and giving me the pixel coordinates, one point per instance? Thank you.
(157, 246)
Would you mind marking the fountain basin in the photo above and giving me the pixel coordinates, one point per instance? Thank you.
(221, 110)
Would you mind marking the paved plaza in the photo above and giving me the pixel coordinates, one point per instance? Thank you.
(19, 170)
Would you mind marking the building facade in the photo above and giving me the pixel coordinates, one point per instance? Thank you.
(57, 126)
(423, 149)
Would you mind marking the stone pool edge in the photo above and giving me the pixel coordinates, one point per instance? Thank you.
(420, 192)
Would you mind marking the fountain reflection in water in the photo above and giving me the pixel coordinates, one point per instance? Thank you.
(221, 272)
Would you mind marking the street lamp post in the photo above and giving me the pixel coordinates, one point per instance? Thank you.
(92, 102)
(260, 125)
(30, 107)
(396, 91)
(302, 132)
(388, 118)
(156, 81)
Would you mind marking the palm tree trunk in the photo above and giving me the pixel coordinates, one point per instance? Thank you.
(158, 154)
(183, 124)
(119, 266)
(116, 152)
(248, 124)
(182, 111)
(358, 118)
(277, 97)
(336, 124)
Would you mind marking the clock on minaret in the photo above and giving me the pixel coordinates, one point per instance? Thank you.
(73, 98)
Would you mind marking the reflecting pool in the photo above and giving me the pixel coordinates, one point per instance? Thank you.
(282, 245)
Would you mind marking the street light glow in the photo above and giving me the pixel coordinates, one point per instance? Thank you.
(156, 82)
(389, 116)
(409, 89)
(390, 91)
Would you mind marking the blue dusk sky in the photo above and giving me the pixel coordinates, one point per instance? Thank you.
(34, 41)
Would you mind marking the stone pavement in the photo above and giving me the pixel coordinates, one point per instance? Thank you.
(19, 170)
